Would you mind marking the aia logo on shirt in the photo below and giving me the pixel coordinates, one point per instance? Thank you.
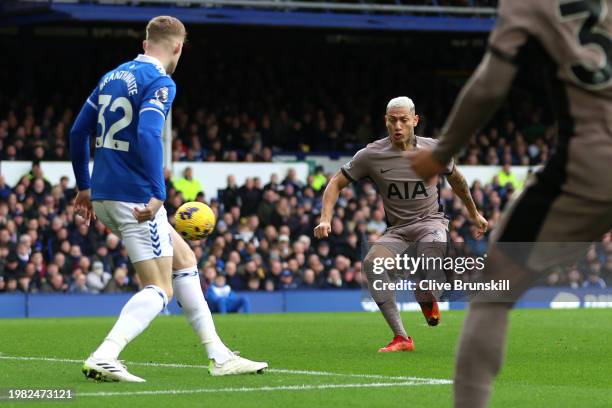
(407, 191)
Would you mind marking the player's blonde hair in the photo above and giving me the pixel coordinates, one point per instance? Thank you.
(401, 102)
(163, 28)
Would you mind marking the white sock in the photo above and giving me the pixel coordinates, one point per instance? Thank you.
(188, 292)
(135, 316)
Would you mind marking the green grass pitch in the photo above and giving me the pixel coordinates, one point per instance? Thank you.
(556, 358)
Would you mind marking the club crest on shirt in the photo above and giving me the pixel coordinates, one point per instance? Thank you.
(438, 236)
(162, 94)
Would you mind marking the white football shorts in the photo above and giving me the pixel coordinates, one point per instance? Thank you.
(144, 241)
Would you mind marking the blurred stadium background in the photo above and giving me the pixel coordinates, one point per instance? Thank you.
(273, 96)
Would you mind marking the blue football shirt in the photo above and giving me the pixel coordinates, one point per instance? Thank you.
(128, 109)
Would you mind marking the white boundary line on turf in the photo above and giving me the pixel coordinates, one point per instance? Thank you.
(427, 381)
(373, 376)
(303, 387)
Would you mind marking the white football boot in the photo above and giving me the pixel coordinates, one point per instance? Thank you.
(108, 369)
(236, 365)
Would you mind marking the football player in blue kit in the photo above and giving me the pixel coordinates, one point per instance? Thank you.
(126, 190)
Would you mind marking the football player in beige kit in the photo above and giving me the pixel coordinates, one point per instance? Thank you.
(570, 201)
(414, 214)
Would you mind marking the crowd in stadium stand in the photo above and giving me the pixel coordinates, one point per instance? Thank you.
(283, 101)
(263, 240)
(209, 136)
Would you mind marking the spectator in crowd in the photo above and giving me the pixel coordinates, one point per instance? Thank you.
(120, 281)
(222, 299)
(230, 196)
(574, 278)
(188, 186)
(5, 190)
(98, 278)
(79, 285)
(11, 285)
(319, 180)
(265, 208)
(309, 280)
(254, 284)
(334, 280)
(594, 281)
(505, 177)
(56, 284)
(293, 180)
(233, 279)
(250, 197)
(59, 260)
(274, 184)
(287, 280)
(377, 223)
(553, 278)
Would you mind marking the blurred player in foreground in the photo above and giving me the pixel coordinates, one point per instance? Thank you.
(570, 43)
(414, 214)
(126, 112)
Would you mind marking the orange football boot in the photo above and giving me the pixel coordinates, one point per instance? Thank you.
(431, 312)
(399, 343)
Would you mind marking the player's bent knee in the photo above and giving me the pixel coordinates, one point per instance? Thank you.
(184, 260)
(161, 291)
(183, 255)
(166, 288)
(373, 264)
(156, 272)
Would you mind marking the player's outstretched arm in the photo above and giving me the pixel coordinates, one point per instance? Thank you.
(478, 101)
(462, 190)
(82, 129)
(84, 126)
(330, 196)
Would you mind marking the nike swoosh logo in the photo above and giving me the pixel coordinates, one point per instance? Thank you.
(384, 171)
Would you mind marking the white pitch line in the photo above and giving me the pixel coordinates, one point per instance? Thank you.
(373, 376)
(439, 381)
(303, 387)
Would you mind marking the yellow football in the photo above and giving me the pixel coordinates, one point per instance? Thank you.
(195, 220)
